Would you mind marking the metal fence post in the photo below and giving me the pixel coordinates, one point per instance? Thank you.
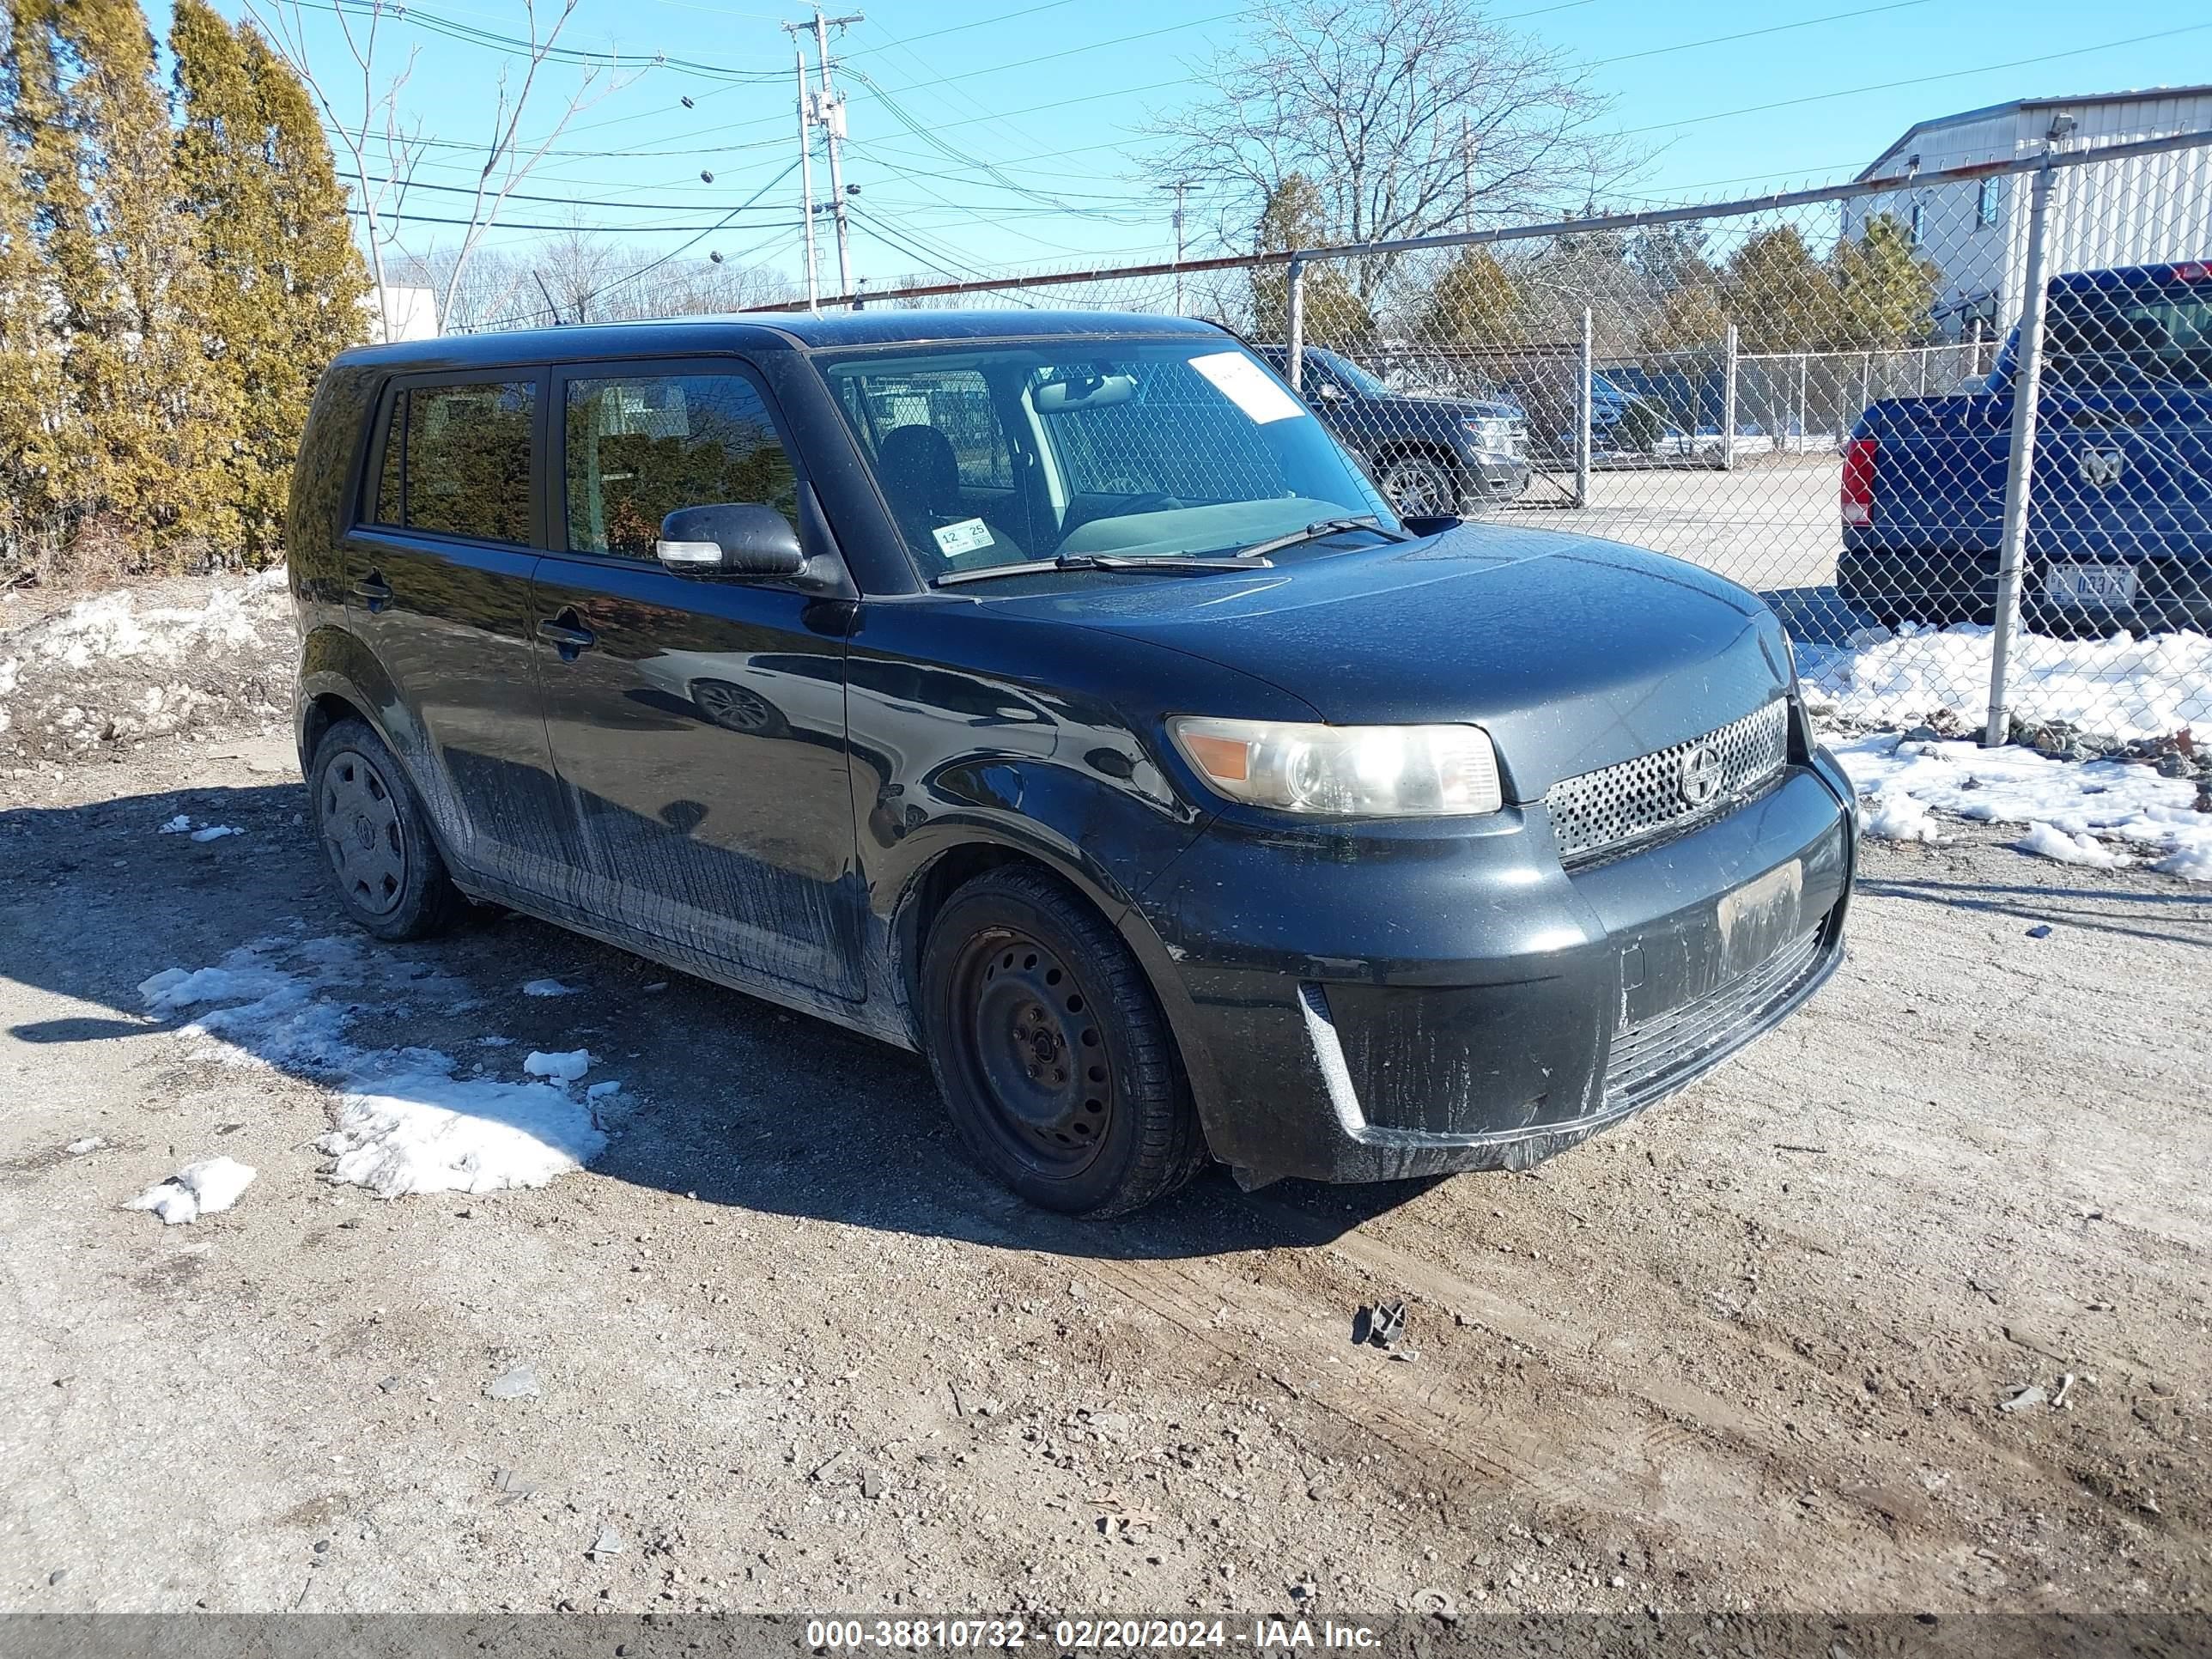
(2019, 464)
(1728, 402)
(1297, 346)
(1585, 393)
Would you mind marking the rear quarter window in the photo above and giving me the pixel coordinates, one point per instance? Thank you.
(456, 460)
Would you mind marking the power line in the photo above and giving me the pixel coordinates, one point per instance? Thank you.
(678, 253)
(510, 224)
(632, 202)
(515, 45)
(1917, 80)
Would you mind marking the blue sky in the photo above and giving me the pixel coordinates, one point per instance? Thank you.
(1720, 117)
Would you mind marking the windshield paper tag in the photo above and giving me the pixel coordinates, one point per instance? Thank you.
(954, 540)
(1245, 384)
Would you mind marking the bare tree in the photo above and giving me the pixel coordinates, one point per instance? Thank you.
(1407, 117)
(373, 126)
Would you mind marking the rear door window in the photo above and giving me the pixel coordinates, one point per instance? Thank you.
(2146, 334)
(456, 460)
(639, 446)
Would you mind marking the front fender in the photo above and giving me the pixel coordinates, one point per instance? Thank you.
(1105, 837)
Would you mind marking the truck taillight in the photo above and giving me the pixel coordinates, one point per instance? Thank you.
(1858, 481)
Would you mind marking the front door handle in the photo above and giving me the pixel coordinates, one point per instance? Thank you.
(567, 633)
(373, 589)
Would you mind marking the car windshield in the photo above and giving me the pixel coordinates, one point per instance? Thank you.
(1353, 376)
(1050, 449)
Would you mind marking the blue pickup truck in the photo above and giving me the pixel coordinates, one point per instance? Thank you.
(2120, 521)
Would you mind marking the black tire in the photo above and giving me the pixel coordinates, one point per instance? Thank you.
(376, 839)
(1055, 1060)
(1421, 483)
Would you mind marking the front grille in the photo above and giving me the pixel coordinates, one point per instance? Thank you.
(1602, 814)
(1655, 1054)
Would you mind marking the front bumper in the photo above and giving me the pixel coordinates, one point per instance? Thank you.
(1959, 585)
(1488, 478)
(1417, 1004)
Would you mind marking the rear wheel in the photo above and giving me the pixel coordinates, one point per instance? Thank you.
(376, 837)
(1056, 1064)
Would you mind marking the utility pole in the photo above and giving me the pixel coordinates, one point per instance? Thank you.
(1466, 171)
(805, 171)
(1178, 187)
(825, 109)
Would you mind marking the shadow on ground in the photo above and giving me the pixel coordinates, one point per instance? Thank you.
(738, 1102)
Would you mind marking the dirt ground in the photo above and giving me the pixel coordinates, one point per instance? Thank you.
(1747, 1352)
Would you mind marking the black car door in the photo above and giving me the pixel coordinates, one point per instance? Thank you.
(697, 721)
(437, 572)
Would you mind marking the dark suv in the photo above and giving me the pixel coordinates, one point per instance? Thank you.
(1428, 455)
(1052, 695)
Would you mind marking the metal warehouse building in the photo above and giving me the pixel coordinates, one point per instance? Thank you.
(2142, 211)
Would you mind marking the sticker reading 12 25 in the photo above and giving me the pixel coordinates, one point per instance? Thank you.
(953, 539)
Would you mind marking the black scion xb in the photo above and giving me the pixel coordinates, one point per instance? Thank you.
(1050, 694)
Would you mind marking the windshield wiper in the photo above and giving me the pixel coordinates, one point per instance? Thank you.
(1173, 563)
(1314, 532)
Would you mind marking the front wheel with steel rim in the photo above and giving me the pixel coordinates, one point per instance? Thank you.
(1419, 486)
(1055, 1060)
(375, 838)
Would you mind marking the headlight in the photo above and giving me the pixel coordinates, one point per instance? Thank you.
(1496, 434)
(1345, 771)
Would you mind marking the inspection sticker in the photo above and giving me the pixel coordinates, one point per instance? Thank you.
(953, 539)
(1245, 384)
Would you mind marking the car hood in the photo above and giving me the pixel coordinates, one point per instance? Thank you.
(1445, 410)
(1573, 652)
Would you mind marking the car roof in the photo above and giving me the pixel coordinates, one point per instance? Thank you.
(764, 331)
(2134, 277)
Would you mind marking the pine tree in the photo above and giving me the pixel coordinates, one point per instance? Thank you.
(1475, 302)
(30, 373)
(1335, 315)
(1782, 297)
(54, 264)
(150, 423)
(283, 282)
(1887, 293)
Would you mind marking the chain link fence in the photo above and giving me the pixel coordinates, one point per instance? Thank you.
(1817, 395)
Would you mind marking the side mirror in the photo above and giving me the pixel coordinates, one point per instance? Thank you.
(733, 539)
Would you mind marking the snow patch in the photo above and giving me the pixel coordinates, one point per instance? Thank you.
(404, 1123)
(216, 831)
(207, 1188)
(548, 987)
(176, 826)
(567, 1067)
(2120, 687)
(426, 1132)
(2048, 840)
(2066, 803)
(113, 625)
(1893, 816)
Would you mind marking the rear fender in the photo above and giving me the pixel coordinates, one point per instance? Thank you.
(334, 662)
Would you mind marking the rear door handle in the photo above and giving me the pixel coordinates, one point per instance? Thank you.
(374, 589)
(567, 634)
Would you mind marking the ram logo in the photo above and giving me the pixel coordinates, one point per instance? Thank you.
(2101, 468)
